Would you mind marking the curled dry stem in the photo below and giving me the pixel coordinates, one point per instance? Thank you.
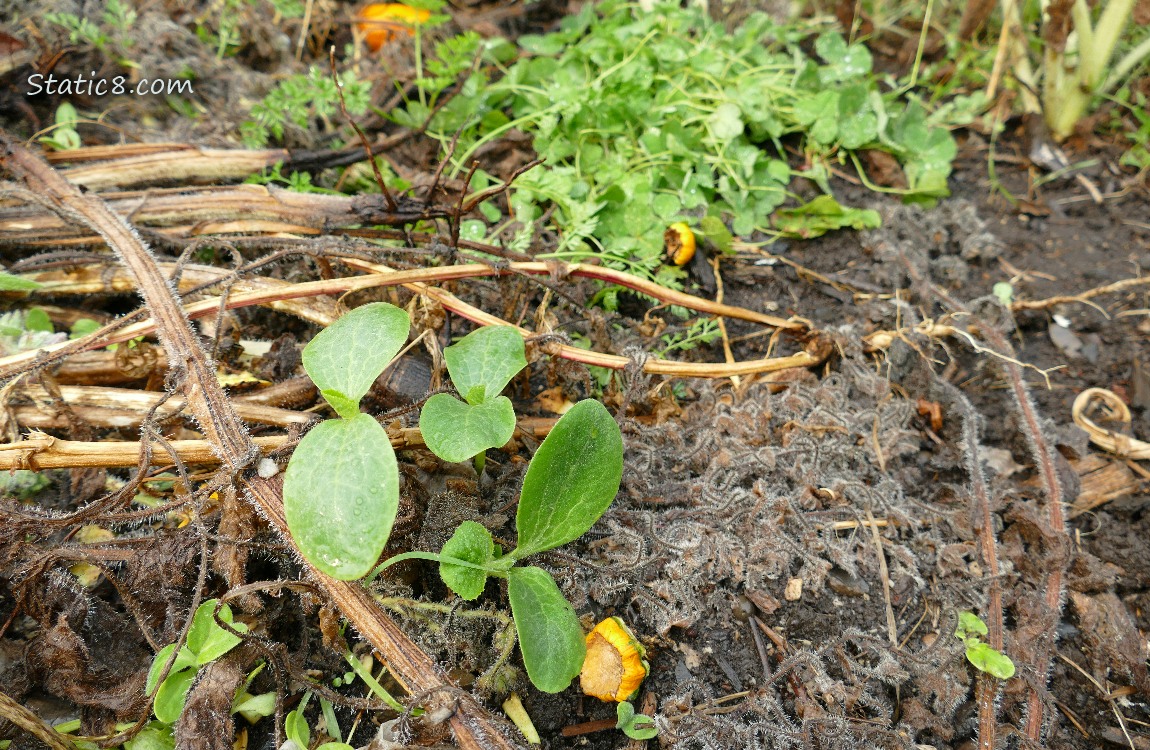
(1110, 441)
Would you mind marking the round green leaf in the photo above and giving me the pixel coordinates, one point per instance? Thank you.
(207, 640)
(488, 356)
(572, 479)
(341, 494)
(550, 636)
(346, 357)
(456, 431)
(183, 660)
(473, 543)
(172, 695)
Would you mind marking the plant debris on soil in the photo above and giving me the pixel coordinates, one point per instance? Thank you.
(887, 436)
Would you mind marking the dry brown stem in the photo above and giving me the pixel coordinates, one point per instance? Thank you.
(41, 451)
(1082, 297)
(122, 407)
(381, 276)
(23, 718)
(1041, 454)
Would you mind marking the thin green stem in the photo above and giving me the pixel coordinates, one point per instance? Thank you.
(921, 44)
(378, 690)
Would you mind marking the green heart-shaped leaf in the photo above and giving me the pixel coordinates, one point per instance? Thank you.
(473, 543)
(488, 356)
(345, 358)
(550, 637)
(572, 479)
(456, 431)
(341, 494)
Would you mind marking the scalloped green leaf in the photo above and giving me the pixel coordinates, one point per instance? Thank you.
(550, 636)
(572, 479)
(341, 494)
(456, 431)
(473, 543)
(344, 359)
(488, 356)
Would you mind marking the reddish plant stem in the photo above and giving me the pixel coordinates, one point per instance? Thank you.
(1040, 453)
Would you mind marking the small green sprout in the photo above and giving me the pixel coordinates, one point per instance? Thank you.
(299, 733)
(970, 631)
(572, 479)
(206, 642)
(481, 365)
(636, 726)
(341, 486)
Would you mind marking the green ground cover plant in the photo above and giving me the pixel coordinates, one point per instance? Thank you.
(480, 364)
(650, 118)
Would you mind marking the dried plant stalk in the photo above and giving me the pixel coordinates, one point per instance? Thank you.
(1108, 440)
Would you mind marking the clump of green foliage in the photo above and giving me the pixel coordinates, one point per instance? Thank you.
(298, 99)
(970, 631)
(649, 118)
(116, 21)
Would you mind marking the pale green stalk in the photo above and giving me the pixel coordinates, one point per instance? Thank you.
(1067, 92)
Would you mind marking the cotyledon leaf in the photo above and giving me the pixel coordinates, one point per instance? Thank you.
(341, 494)
(488, 356)
(344, 359)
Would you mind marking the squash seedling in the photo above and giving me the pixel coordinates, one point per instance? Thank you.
(206, 642)
(636, 726)
(481, 365)
(572, 479)
(341, 487)
(970, 630)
